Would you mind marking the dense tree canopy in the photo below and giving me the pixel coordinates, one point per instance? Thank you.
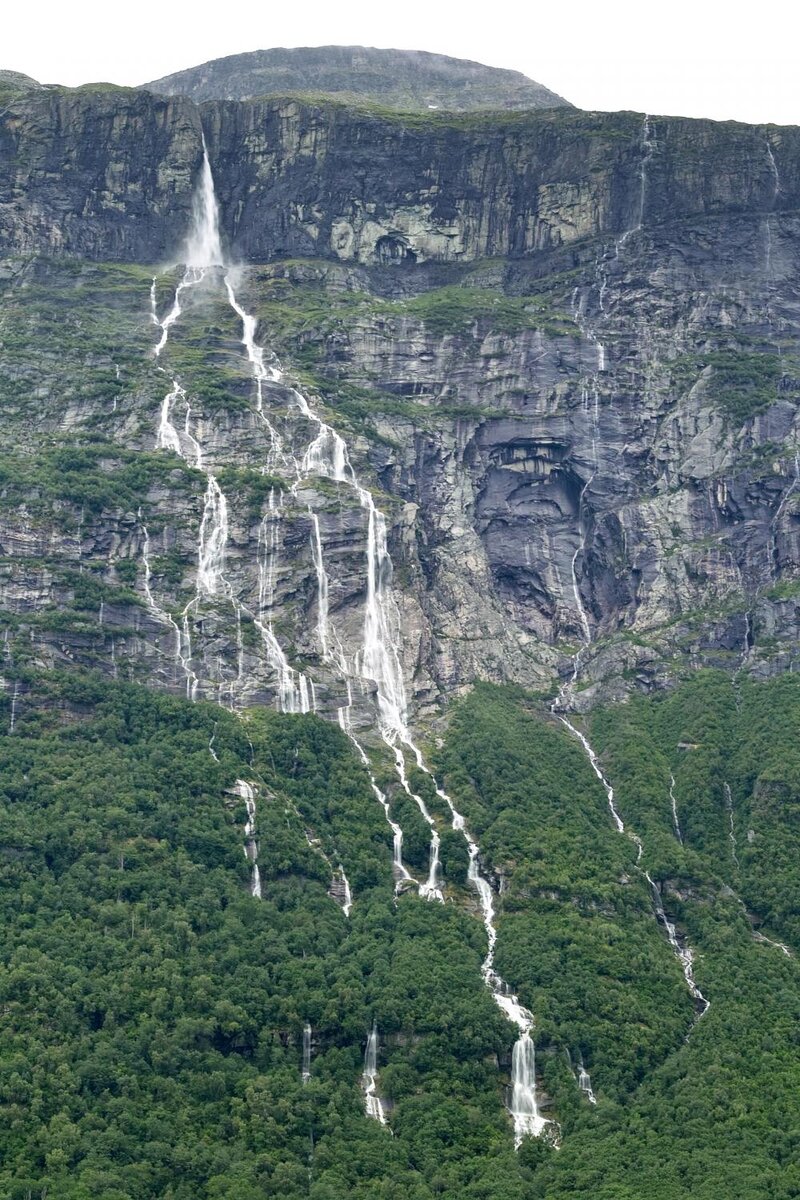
(151, 1009)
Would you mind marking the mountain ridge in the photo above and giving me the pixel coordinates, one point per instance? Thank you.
(408, 80)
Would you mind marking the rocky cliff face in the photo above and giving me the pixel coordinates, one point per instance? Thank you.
(563, 349)
(108, 174)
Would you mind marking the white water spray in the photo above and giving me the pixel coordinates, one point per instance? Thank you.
(182, 651)
(347, 903)
(14, 706)
(306, 1074)
(773, 167)
(775, 522)
(585, 1084)
(731, 828)
(378, 663)
(674, 806)
(213, 540)
(246, 792)
(684, 954)
(369, 1079)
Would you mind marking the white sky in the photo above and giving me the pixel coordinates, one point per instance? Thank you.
(711, 58)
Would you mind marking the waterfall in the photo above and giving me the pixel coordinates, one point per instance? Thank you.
(731, 829)
(402, 877)
(277, 457)
(585, 1083)
(203, 246)
(323, 632)
(369, 1078)
(773, 167)
(182, 653)
(247, 793)
(760, 937)
(590, 407)
(527, 1122)
(785, 498)
(14, 704)
(167, 436)
(378, 663)
(684, 954)
(609, 791)
(306, 1053)
(579, 552)
(348, 895)
(211, 740)
(648, 145)
(674, 804)
(213, 539)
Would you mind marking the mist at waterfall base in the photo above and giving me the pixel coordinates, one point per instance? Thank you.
(375, 667)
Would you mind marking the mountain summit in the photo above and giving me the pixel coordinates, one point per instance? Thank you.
(406, 80)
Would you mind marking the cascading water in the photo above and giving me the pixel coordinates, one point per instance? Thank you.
(760, 937)
(14, 706)
(182, 653)
(649, 147)
(561, 706)
(773, 167)
(213, 540)
(684, 954)
(731, 828)
(774, 523)
(348, 895)
(585, 1084)
(277, 457)
(369, 1078)
(202, 254)
(247, 793)
(402, 877)
(211, 749)
(676, 826)
(306, 1074)
(523, 1108)
(377, 665)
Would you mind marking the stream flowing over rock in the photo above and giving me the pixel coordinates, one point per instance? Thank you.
(564, 345)
(325, 416)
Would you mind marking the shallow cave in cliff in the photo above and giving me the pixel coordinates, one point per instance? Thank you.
(394, 250)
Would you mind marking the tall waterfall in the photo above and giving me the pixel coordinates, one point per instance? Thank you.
(369, 1078)
(376, 666)
(247, 793)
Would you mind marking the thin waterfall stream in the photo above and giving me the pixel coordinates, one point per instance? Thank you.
(306, 1070)
(369, 1079)
(247, 792)
(561, 706)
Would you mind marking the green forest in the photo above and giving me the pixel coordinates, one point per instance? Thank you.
(152, 1008)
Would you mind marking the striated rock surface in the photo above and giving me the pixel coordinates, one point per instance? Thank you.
(563, 349)
(107, 174)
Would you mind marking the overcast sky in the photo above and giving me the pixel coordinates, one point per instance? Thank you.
(708, 58)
